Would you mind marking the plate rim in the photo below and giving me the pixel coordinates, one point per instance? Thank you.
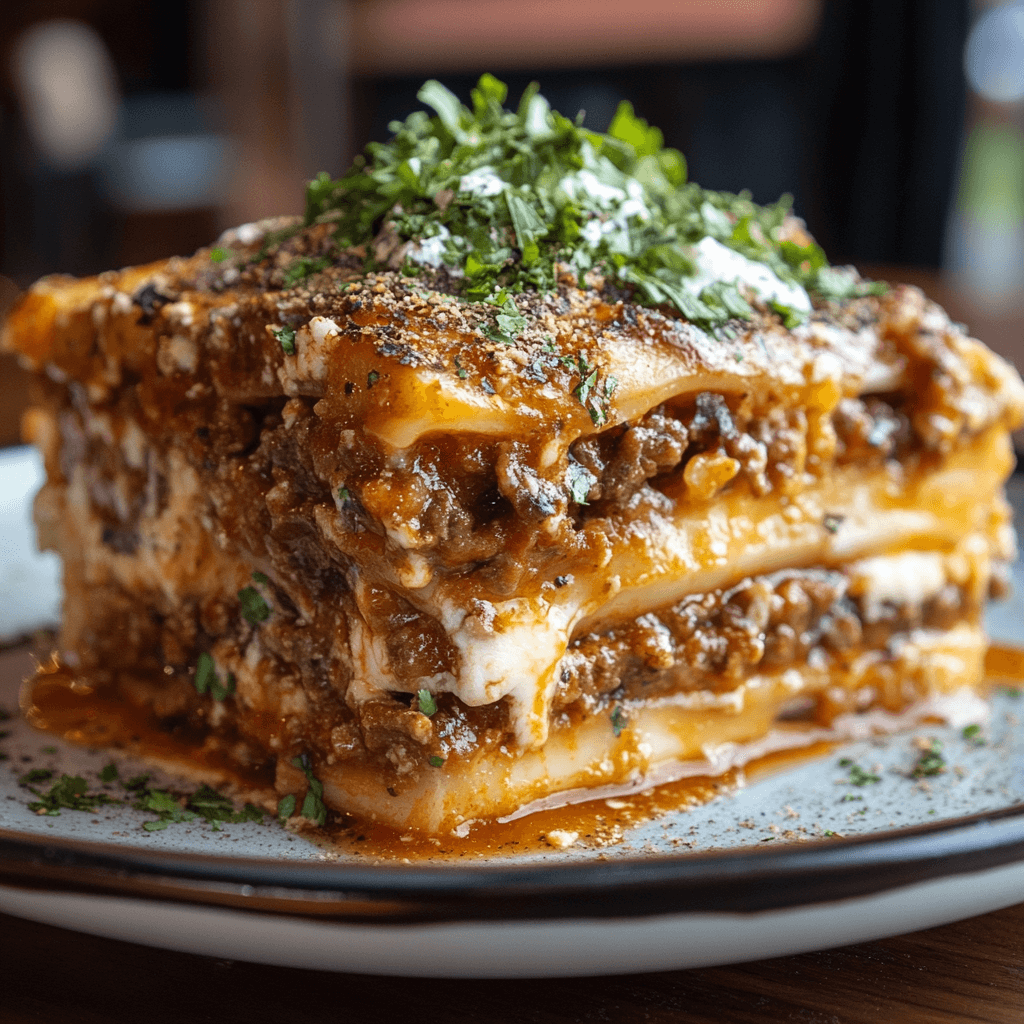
(734, 881)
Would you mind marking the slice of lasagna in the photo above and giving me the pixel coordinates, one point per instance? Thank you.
(519, 470)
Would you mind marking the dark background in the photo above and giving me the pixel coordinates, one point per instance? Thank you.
(862, 123)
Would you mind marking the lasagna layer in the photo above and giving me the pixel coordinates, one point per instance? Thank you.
(461, 574)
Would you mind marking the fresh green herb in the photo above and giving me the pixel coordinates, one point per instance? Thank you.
(167, 807)
(371, 378)
(857, 775)
(619, 720)
(254, 608)
(108, 773)
(285, 807)
(426, 703)
(219, 255)
(260, 577)
(206, 672)
(219, 691)
(68, 792)
(582, 390)
(35, 775)
(507, 195)
(214, 808)
(850, 797)
(436, 761)
(972, 733)
(286, 336)
(206, 678)
(343, 494)
(313, 806)
(510, 321)
(299, 269)
(930, 762)
(49, 750)
(579, 480)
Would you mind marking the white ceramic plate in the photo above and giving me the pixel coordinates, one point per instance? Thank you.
(799, 861)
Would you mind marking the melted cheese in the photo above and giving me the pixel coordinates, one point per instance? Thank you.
(513, 648)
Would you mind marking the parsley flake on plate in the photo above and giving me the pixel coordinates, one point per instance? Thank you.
(68, 792)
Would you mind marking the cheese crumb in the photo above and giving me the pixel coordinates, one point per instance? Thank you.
(560, 839)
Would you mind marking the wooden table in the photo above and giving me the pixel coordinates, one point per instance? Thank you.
(971, 971)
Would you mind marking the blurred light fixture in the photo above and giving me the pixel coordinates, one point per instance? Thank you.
(994, 55)
(169, 172)
(65, 80)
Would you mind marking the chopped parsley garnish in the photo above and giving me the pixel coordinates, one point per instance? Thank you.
(343, 494)
(108, 773)
(68, 792)
(298, 270)
(313, 806)
(219, 255)
(426, 703)
(207, 680)
(504, 196)
(931, 761)
(214, 808)
(167, 808)
(619, 720)
(286, 807)
(579, 480)
(260, 577)
(857, 775)
(972, 733)
(49, 750)
(436, 761)
(35, 775)
(372, 377)
(510, 321)
(254, 608)
(286, 336)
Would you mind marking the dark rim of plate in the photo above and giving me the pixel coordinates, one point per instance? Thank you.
(730, 881)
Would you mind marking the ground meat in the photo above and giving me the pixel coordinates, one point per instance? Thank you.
(716, 640)
(654, 446)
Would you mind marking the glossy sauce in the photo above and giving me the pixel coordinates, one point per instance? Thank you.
(56, 701)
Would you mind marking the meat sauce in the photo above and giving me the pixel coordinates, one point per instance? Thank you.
(54, 700)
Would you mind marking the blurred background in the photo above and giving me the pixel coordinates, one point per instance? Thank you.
(132, 130)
